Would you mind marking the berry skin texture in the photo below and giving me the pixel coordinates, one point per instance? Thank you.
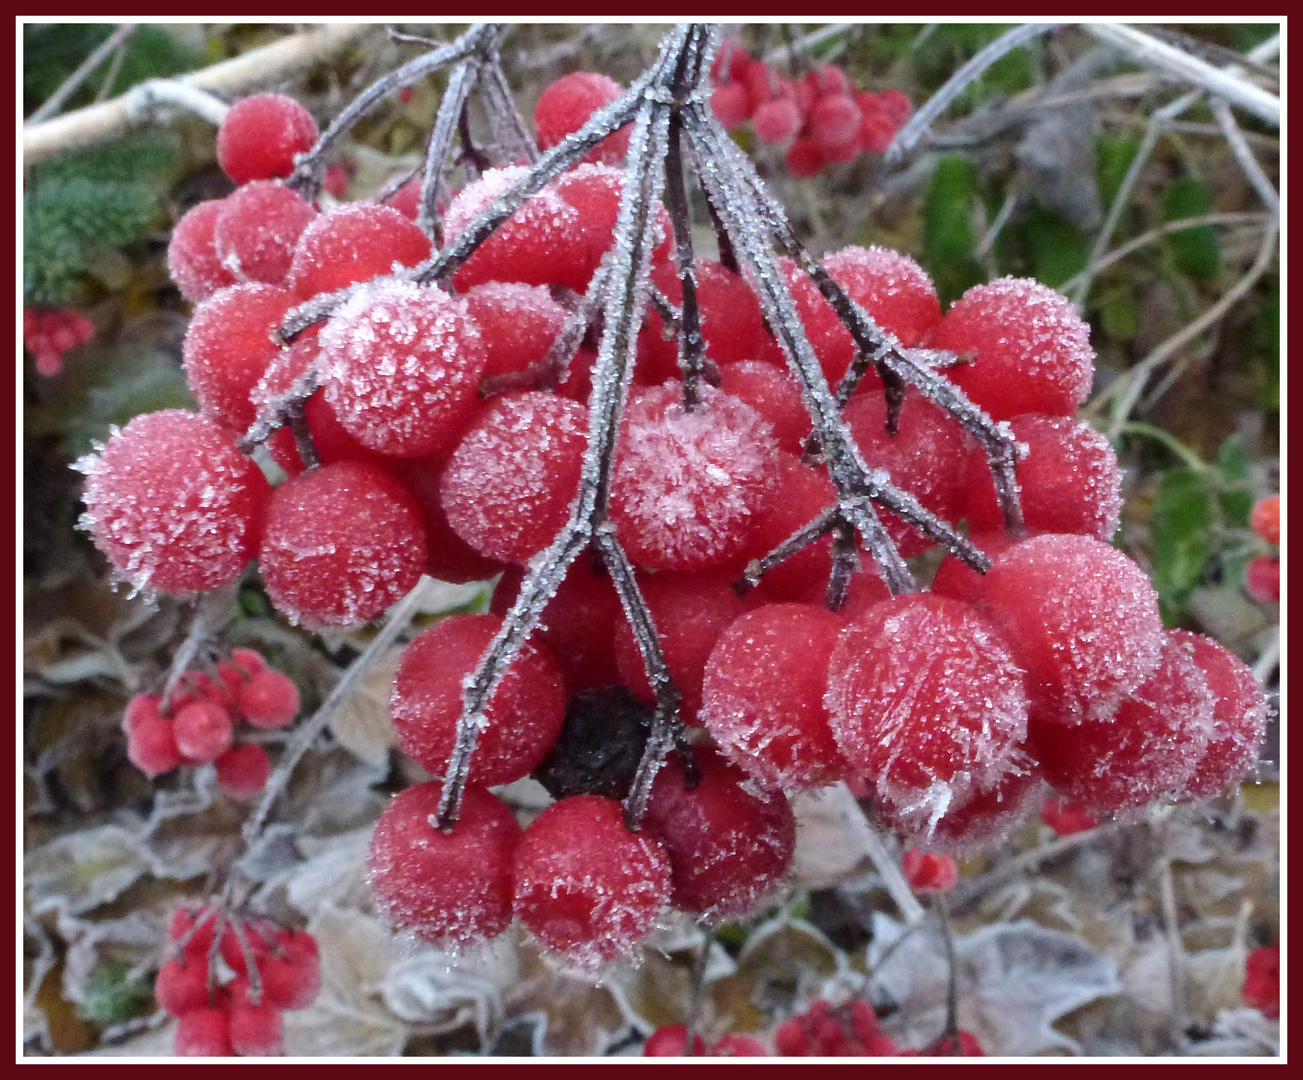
(191, 256)
(763, 696)
(928, 873)
(1239, 717)
(354, 242)
(151, 741)
(203, 730)
(258, 229)
(203, 1033)
(1033, 349)
(686, 486)
(341, 544)
(228, 348)
(509, 485)
(1146, 749)
(182, 985)
(729, 842)
(243, 771)
(453, 889)
(260, 136)
(671, 1040)
(565, 106)
(1262, 981)
(1264, 519)
(173, 504)
(1080, 617)
(585, 886)
(268, 699)
(401, 366)
(925, 700)
(892, 288)
(522, 719)
(1262, 579)
(517, 322)
(256, 1030)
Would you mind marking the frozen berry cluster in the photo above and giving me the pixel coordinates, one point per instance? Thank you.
(1262, 575)
(229, 981)
(819, 119)
(198, 723)
(48, 333)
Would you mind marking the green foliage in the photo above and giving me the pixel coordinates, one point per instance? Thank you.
(1262, 341)
(111, 996)
(1195, 252)
(1113, 157)
(1181, 530)
(1056, 250)
(83, 204)
(53, 51)
(947, 228)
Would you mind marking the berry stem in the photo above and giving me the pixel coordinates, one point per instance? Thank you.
(281, 411)
(800, 539)
(510, 132)
(451, 106)
(950, 1036)
(691, 348)
(212, 611)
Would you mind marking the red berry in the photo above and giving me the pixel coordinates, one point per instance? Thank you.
(731, 104)
(243, 771)
(354, 242)
(260, 136)
(1239, 717)
(522, 719)
(777, 120)
(928, 873)
(258, 229)
(585, 886)
(687, 486)
(1080, 617)
(892, 288)
(1067, 818)
(925, 699)
(735, 1045)
(203, 1033)
(762, 695)
(518, 324)
(151, 740)
(269, 699)
(199, 924)
(173, 504)
(1262, 579)
(1033, 349)
(401, 366)
(671, 1040)
(834, 121)
(566, 105)
(729, 842)
(181, 986)
(450, 558)
(956, 579)
(256, 1030)
(340, 545)
(508, 487)
(203, 730)
(453, 889)
(1265, 519)
(1069, 481)
(1262, 981)
(977, 824)
(732, 326)
(228, 348)
(804, 159)
(895, 103)
(191, 256)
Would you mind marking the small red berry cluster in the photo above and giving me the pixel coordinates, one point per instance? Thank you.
(48, 333)
(1262, 575)
(671, 1040)
(1262, 980)
(199, 725)
(269, 970)
(821, 118)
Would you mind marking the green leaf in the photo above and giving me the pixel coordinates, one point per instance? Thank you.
(110, 996)
(947, 227)
(1058, 250)
(1196, 252)
(1113, 157)
(1181, 531)
(1119, 316)
(1235, 497)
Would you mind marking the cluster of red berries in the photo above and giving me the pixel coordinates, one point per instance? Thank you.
(268, 969)
(821, 118)
(200, 722)
(48, 333)
(1262, 575)
(948, 707)
(1262, 980)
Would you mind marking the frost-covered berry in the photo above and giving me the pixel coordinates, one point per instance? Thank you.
(1261, 989)
(203, 730)
(927, 872)
(268, 699)
(228, 348)
(730, 104)
(671, 1040)
(401, 366)
(585, 886)
(454, 888)
(565, 106)
(354, 242)
(804, 159)
(151, 742)
(926, 702)
(256, 1030)
(687, 486)
(243, 771)
(775, 394)
(522, 718)
(191, 256)
(291, 976)
(182, 985)
(173, 504)
(508, 487)
(763, 695)
(258, 229)
(449, 557)
(1239, 717)
(1068, 483)
(977, 824)
(732, 326)
(834, 122)
(260, 136)
(340, 544)
(892, 288)
(1081, 618)
(594, 192)
(1033, 349)
(518, 324)
(203, 1033)
(729, 840)
(777, 120)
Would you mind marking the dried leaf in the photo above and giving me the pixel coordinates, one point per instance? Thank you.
(82, 870)
(363, 725)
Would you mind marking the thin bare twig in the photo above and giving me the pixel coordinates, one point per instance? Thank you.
(70, 85)
(1240, 148)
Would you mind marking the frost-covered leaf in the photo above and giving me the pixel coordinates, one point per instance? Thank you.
(786, 963)
(440, 992)
(828, 850)
(333, 872)
(155, 1042)
(82, 870)
(577, 1018)
(1014, 981)
(363, 725)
